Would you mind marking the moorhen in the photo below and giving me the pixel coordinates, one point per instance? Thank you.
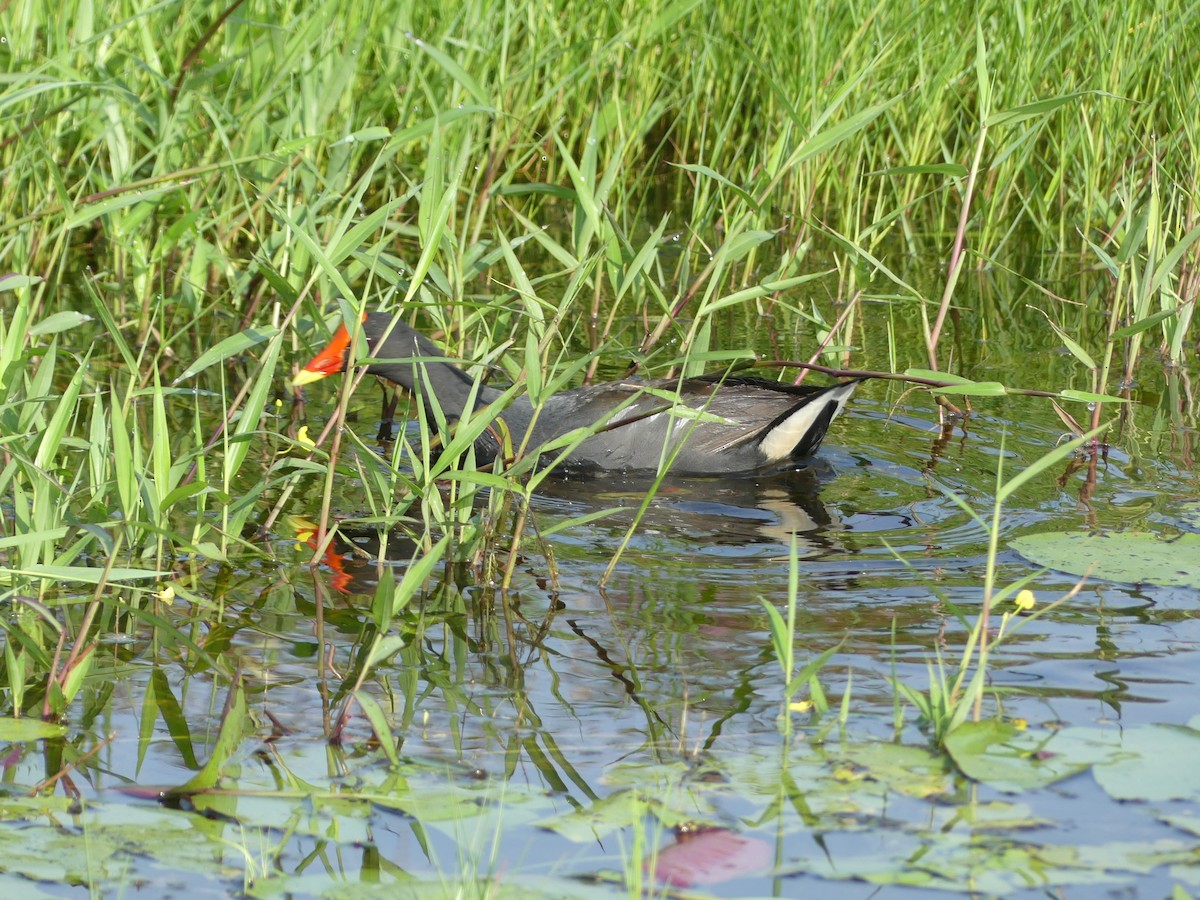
(738, 424)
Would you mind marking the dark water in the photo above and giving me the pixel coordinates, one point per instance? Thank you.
(666, 673)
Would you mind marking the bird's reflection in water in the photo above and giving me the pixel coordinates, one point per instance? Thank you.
(722, 512)
(353, 556)
(705, 515)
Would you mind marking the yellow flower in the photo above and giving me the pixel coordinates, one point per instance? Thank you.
(303, 439)
(1025, 600)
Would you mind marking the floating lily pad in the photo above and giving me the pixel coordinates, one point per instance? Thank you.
(1008, 759)
(912, 771)
(605, 816)
(1184, 822)
(1160, 765)
(1132, 557)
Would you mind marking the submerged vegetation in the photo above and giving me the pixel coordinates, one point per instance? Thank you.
(560, 192)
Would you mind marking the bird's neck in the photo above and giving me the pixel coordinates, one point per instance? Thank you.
(423, 369)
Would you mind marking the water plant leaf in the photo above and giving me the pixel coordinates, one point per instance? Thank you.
(607, 815)
(415, 577)
(445, 806)
(83, 574)
(644, 259)
(953, 170)
(55, 430)
(756, 291)
(1089, 397)
(231, 346)
(1144, 324)
(372, 133)
(1032, 110)
(235, 725)
(720, 179)
(1171, 260)
(161, 700)
(379, 724)
(743, 243)
(1159, 763)
(11, 281)
(1132, 557)
(453, 69)
(996, 753)
(31, 537)
(1069, 342)
(146, 832)
(1184, 822)
(908, 770)
(973, 389)
(934, 375)
(15, 731)
(1106, 260)
(111, 204)
(668, 19)
(61, 321)
(831, 137)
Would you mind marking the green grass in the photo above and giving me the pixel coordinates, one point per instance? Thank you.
(557, 191)
(289, 152)
(531, 180)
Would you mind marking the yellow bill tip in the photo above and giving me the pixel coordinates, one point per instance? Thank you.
(307, 376)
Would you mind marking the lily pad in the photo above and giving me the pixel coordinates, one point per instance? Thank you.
(605, 816)
(1133, 557)
(912, 771)
(1161, 765)
(1010, 760)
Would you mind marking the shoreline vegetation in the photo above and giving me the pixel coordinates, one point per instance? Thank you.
(557, 192)
(589, 183)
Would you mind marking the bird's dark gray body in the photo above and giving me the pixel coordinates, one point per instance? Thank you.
(702, 426)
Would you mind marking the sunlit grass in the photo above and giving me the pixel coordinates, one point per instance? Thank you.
(581, 167)
(556, 192)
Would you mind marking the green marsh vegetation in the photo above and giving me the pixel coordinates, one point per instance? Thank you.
(192, 195)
